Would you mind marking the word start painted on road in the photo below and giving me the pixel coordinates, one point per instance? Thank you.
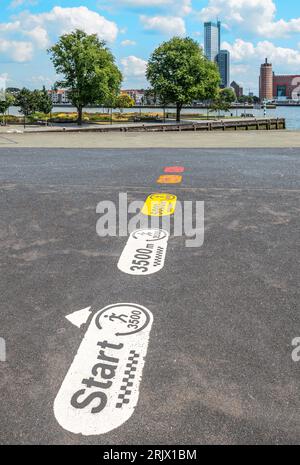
(101, 388)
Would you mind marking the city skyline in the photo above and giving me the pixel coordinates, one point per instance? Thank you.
(133, 28)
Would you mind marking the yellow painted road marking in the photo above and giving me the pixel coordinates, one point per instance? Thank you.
(160, 205)
(169, 179)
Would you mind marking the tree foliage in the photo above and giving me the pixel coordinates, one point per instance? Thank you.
(5, 104)
(249, 99)
(223, 100)
(124, 101)
(88, 69)
(45, 104)
(27, 100)
(179, 73)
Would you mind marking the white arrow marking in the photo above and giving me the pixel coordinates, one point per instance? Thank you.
(80, 317)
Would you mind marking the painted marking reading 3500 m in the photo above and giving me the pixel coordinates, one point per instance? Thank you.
(143, 256)
(144, 252)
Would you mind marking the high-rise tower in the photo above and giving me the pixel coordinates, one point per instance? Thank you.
(212, 45)
(212, 40)
(223, 60)
(266, 81)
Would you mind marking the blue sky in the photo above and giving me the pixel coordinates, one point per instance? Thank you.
(252, 30)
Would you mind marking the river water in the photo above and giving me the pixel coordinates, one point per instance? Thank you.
(291, 114)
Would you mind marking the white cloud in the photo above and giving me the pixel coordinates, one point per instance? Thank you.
(19, 51)
(257, 16)
(39, 35)
(134, 66)
(281, 28)
(63, 20)
(167, 25)
(10, 27)
(280, 56)
(43, 27)
(127, 42)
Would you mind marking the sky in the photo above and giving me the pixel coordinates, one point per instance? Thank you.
(251, 30)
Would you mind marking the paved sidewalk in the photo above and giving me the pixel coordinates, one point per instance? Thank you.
(215, 139)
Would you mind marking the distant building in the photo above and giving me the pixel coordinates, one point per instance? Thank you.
(266, 81)
(59, 96)
(213, 52)
(138, 95)
(286, 87)
(212, 40)
(239, 91)
(223, 60)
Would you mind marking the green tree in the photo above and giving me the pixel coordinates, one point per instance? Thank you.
(5, 104)
(248, 99)
(45, 104)
(179, 73)
(223, 100)
(88, 68)
(228, 95)
(27, 100)
(124, 101)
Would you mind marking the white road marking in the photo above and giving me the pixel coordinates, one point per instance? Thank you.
(80, 317)
(145, 252)
(101, 388)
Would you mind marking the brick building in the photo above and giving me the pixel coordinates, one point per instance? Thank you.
(266, 81)
(286, 87)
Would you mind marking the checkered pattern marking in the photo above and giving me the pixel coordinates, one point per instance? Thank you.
(130, 372)
(158, 208)
(159, 256)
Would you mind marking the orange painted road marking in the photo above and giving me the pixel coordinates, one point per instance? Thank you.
(169, 179)
(174, 169)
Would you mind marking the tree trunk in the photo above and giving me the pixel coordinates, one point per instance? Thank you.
(79, 119)
(178, 112)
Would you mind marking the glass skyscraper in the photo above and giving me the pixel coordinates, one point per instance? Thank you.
(213, 52)
(212, 40)
(223, 60)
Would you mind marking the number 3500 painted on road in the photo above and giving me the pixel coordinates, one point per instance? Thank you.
(144, 252)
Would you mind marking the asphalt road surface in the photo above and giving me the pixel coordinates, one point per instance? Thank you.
(218, 367)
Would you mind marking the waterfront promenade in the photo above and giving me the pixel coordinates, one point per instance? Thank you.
(215, 139)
